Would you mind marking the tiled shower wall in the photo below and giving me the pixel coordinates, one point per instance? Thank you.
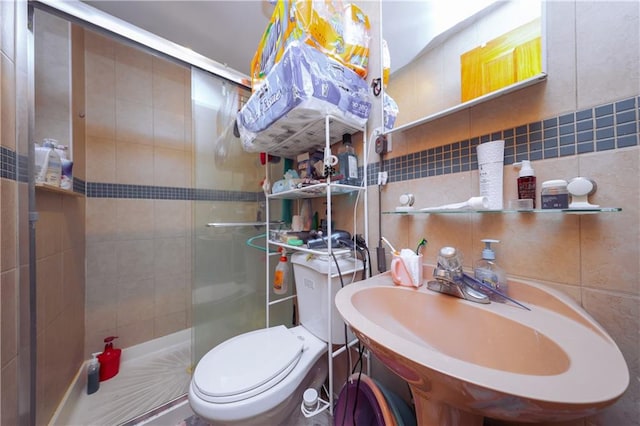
(138, 124)
(14, 273)
(583, 121)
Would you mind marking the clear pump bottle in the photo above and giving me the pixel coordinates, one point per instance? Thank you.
(487, 270)
(93, 374)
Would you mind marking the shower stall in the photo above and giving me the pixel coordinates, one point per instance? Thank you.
(166, 212)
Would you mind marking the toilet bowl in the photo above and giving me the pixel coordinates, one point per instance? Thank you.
(259, 377)
(253, 378)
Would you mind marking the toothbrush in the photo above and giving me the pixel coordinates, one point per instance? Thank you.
(482, 284)
(393, 250)
(421, 244)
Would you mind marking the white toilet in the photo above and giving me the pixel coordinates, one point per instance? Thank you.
(259, 377)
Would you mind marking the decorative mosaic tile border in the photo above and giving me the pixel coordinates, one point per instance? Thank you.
(602, 128)
(115, 190)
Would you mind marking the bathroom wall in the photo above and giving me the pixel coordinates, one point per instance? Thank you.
(60, 230)
(583, 121)
(14, 234)
(138, 130)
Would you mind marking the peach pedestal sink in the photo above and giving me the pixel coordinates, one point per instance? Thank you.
(465, 360)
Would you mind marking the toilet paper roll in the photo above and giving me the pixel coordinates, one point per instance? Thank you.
(490, 168)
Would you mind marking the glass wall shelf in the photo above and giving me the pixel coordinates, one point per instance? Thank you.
(417, 212)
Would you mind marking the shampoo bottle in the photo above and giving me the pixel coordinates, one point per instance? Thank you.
(526, 181)
(348, 162)
(93, 375)
(488, 271)
(280, 278)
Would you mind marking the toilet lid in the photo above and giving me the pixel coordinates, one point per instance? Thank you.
(247, 365)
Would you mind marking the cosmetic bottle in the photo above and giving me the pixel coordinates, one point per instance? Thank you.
(281, 275)
(526, 181)
(93, 375)
(487, 270)
(348, 162)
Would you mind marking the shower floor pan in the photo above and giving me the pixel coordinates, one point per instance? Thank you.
(151, 374)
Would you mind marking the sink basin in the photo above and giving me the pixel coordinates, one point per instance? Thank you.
(465, 360)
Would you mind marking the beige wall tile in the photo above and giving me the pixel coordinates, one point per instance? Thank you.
(134, 122)
(134, 164)
(136, 332)
(169, 86)
(73, 222)
(619, 314)
(170, 323)
(170, 291)
(101, 159)
(9, 388)
(169, 168)
(170, 256)
(135, 260)
(135, 301)
(607, 59)
(133, 75)
(101, 220)
(49, 224)
(9, 315)
(135, 219)
(168, 129)
(7, 33)
(8, 102)
(73, 283)
(49, 287)
(101, 305)
(102, 260)
(615, 238)
(8, 235)
(100, 115)
(171, 218)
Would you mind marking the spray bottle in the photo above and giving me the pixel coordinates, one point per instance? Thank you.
(93, 374)
(281, 276)
(488, 271)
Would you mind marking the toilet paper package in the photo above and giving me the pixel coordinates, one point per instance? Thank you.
(490, 168)
(305, 86)
(336, 29)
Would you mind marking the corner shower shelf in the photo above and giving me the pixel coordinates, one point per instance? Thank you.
(535, 211)
(56, 189)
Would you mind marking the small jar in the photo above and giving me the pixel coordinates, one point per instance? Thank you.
(554, 194)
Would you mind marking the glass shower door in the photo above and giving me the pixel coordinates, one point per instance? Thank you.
(228, 283)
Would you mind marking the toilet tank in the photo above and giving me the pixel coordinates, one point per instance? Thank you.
(311, 280)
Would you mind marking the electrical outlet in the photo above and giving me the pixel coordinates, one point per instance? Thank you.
(382, 178)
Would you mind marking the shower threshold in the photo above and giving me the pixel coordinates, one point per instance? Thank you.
(152, 374)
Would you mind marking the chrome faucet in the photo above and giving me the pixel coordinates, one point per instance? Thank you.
(451, 279)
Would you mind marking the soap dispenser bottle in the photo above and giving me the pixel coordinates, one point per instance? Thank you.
(348, 162)
(488, 271)
(526, 181)
(93, 374)
(109, 359)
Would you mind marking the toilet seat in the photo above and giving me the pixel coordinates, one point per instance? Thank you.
(247, 365)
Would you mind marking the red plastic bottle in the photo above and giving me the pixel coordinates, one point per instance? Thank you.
(109, 359)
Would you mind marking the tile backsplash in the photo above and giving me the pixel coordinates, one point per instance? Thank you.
(601, 128)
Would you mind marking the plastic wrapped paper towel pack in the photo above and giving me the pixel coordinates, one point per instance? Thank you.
(305, 85)
(339, 30)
